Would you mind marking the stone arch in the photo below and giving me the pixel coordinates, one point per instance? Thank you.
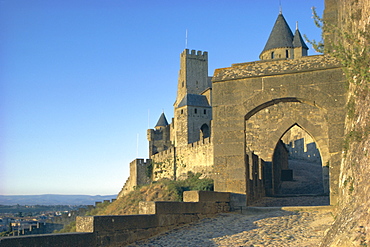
(311, 96)
(266, 123)
(244, 91)
(283, 163)
(204, 131)
(315, 130)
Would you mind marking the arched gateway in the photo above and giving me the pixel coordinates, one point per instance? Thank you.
(255, 103)
(232, 127)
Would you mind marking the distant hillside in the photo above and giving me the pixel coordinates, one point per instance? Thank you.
(52, 199)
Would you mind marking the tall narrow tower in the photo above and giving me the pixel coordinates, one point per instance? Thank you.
(192, 109)
(193, 74)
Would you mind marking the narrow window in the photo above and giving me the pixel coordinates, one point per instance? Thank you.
(205, 111)
(182, 111)
(272, 55)
(182, 83)
(195, 111)
(286, 53)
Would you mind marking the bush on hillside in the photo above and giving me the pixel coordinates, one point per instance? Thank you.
(193, 182)
(162, 190)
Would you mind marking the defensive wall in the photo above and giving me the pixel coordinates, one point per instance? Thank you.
(255, 103)
(173, 163)
(164, 165)
(176, 162)
(154, 218)
(301, 145)
(138, 176)
(197, 157)
(52, 224)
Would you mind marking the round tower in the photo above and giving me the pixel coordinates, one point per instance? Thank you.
(282, 44)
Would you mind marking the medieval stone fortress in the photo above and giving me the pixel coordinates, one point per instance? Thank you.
(239, 127)
(232, 126)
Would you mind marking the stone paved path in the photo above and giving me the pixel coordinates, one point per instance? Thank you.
(269, 227)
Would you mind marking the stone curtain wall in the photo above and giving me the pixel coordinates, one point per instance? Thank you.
(164, 164)
(352, 224)
(114, 231)
(138, 176)
(51, 240)
(175, 163)
(301, 145)
(196, 157)
(313, 84)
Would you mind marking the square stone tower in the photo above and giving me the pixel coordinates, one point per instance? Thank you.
(193, 114)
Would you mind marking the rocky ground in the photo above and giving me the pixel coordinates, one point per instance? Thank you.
(267, 223)
(271, 227)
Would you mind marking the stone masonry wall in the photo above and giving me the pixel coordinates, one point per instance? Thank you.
(175, 163)
(275, 67)
(314, 84)
(255, 186)
(114, 231)
(138, 176)
(279, 118)
(164, 164)
(268, 120)
(301, 145)
(196, 157)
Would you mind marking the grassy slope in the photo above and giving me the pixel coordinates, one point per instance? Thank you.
(164, 190)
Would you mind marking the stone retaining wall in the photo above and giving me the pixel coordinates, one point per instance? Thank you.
(154, 218)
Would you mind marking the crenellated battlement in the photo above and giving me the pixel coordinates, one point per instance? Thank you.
(195, 54)
(203, 142)
(164, 153)
(142, 161)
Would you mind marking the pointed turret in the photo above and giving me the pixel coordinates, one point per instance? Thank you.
(300, 47)
(160, 137)
(282, 43)
(162, 122)
(281, 36)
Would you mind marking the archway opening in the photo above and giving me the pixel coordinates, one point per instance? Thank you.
(297, 169)
(204, 131)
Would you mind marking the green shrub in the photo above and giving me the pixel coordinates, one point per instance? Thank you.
(71, 227)
(193, 182)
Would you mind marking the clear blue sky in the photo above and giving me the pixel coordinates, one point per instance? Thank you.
(80, 80)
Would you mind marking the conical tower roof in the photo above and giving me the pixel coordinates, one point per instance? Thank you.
(281, 35)
(298, 40)
(162, 121)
